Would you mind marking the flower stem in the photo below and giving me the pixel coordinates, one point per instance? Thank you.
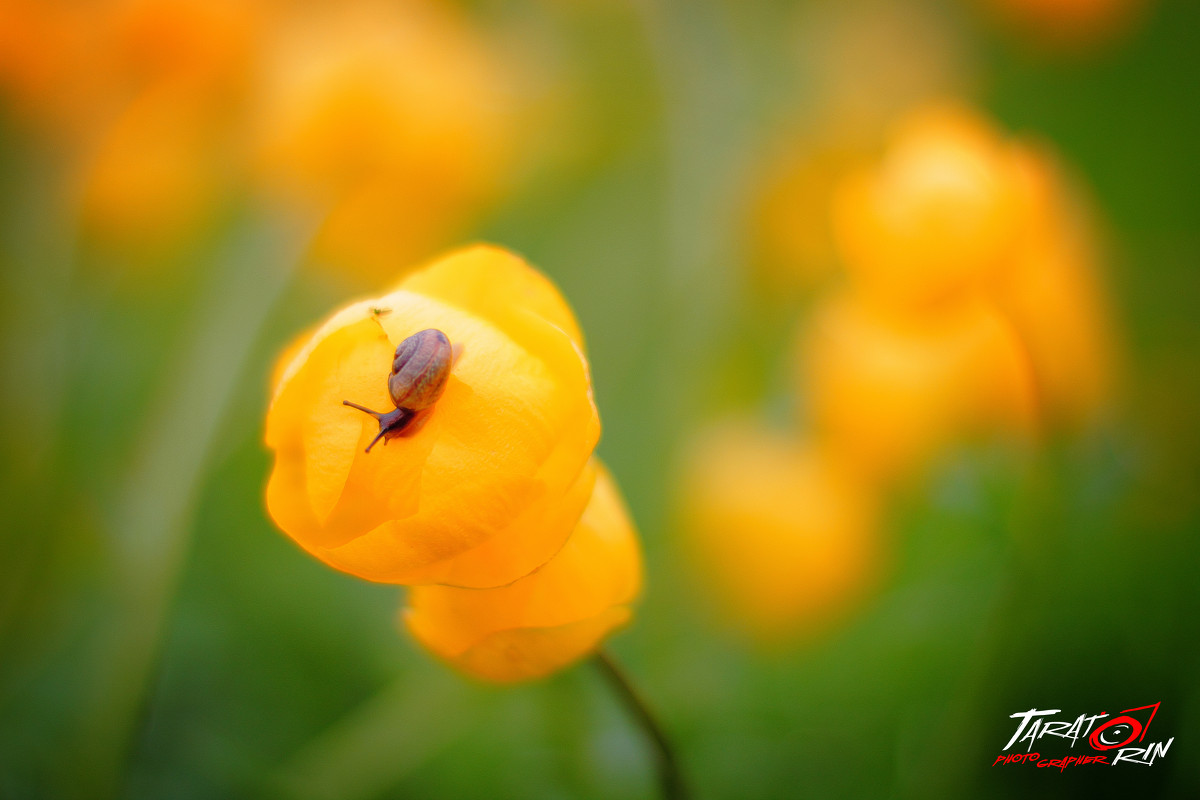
(669, 777)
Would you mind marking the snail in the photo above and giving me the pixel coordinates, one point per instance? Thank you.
(420, 371)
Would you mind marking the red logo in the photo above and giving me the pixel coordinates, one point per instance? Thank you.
(1122, 730)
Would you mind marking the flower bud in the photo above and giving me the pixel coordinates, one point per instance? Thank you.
(891, 392)
(493, 482)
(546, 620)
(786, 539)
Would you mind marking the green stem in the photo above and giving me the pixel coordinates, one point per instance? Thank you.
(669, 776)
(151, 529)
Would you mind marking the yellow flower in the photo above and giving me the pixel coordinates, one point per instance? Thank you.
(864, 62)
(546, 620)
(155, 175)
(787, 539)
(1055, 301)
(391, 122)
(492, 484)
(788, 220)
(959, 233)
(943, 210)
(889, 392)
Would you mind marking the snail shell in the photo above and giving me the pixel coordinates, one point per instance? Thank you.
(420, 370)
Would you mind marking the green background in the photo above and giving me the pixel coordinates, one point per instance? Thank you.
(1065, 579)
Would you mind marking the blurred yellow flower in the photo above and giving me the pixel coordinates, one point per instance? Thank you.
(863, 62)
(975, 297)
(944, 209)
(866, 61)
(788, 212)
(888, 392)
(392, 122)
(144, 95)
(1053, 297)
(490, 488)
(788, 539)
(545, 620)
(156, 174)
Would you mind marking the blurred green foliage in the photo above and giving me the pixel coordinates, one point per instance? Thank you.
(1063, 580)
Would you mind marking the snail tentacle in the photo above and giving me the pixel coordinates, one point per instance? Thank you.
(375, 414)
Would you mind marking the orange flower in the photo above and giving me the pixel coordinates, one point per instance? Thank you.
(70, 64)
(545, 620)
(492, 484)
(889, 392)
(787, 539)
(944, 209)
(47, 60)
(1069, 22)
(209, 44)
(391, 122)
(145, 97)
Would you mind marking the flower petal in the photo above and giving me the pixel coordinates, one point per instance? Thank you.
(573, 600)
(497, 285)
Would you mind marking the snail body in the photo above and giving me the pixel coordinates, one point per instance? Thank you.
(420, 371)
